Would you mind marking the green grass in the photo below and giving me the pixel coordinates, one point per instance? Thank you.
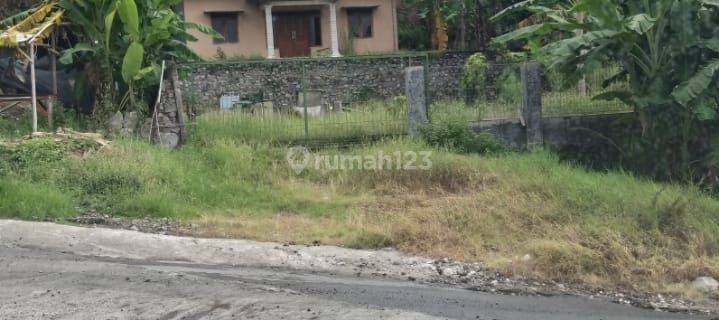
(366, 120)
(602, 228)
(11, 128)
(577, 225)
(372, 120)
(554, 104)
(26, 200)
(136, 179)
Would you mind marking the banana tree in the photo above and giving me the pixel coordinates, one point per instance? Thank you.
(123, 42)
(668, 51)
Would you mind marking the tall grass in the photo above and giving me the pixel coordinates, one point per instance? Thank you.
(578, 226)
(367, 120)
(501, 96)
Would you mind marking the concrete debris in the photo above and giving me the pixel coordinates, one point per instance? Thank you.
(706, 285)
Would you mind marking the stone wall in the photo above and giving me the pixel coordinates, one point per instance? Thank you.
(445, 75)
(339, 81)
(564, 134)
(167, 126)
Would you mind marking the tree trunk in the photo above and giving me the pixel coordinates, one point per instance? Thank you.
(463, 28)
(481, 27)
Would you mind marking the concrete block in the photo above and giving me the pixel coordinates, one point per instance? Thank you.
(416, 100)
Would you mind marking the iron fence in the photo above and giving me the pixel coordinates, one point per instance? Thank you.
(495, 93)
(345, 102)
(326, 106)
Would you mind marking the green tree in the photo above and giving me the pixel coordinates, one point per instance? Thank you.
(668, 51)
(122, 44)
(467, 21)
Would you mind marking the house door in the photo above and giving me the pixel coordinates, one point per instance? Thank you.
(293, 34)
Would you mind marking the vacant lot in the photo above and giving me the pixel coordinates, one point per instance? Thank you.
(521, 213)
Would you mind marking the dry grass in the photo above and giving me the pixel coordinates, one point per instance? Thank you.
(577, 227)
(609, 229)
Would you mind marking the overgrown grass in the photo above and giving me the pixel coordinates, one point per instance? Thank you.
(577, 226)
(14, 127)
(554, 104)
(368, 120)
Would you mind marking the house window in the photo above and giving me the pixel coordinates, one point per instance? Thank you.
(315, 31)
(226, 24)
(360, 22)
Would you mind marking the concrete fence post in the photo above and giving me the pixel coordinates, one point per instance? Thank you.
(532, 104)
(416, 100)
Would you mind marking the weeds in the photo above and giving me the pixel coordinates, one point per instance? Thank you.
(573, 225)
(456, 135)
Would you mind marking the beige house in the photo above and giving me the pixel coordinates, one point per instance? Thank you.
(295, 28)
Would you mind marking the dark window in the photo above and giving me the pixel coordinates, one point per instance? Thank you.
(315, 31)
(226, 24)
(360, 22)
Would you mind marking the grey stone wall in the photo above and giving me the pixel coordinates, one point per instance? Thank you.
(339, 81)
(445, 76)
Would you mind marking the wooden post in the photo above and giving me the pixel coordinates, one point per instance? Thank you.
(33, 87)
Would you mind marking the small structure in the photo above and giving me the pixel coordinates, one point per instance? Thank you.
(23, 40)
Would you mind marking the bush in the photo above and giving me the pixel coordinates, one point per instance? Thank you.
(35, 152)
(457, 136)
(510, 87)
(474, 82)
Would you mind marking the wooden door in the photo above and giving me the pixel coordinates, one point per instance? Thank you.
(293, 34)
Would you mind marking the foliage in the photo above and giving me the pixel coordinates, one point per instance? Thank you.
(456, 135)
(368, 120)
(414, 37)
(667, 51)
(41, 152)
(575, 224)
(474, 81)
(27, 200)
(122, 44)
(463, 23)
(510, 86)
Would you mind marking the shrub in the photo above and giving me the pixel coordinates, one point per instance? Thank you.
(457, 136)
(35, 152)
(510, 87)
(475, 77)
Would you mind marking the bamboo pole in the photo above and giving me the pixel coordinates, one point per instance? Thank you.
(53, 69)
(33, 86)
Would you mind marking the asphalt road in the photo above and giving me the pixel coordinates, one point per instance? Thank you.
(41, 283)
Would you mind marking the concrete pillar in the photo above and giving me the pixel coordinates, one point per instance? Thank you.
(269, 26)
(333, 30)
(532, 104)
(416, 100)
